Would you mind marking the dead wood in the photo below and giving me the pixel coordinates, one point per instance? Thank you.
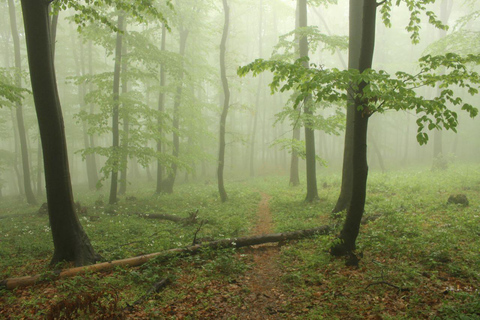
(157, 286)
(11, 283)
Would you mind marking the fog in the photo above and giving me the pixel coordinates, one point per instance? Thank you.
(84, 61)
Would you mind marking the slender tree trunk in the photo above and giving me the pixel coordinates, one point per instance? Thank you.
(226, 103)
(126, 126)
(91, 158)
(27, 184)
(312, 192)
(115, 120)
(70, 241)
(53, 31)
(257, 97)
(362, 43)
(294, 175)
(170, 181)
(161, 110)
(439, 161)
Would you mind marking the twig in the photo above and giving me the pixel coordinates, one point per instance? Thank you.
(194, 242)
(388, 284)
(157, 286)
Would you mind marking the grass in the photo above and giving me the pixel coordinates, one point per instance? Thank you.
(421, 258)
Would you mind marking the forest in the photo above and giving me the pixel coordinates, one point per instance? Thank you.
(239, 159)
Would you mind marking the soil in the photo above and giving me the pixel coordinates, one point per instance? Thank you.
(266, 300)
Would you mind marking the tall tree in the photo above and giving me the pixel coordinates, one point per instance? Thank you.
(256, 113)
(312, 193)
(226, 103)
(439, 161)
(19, 108)
(161, 108)
(361, 45)
(70, 241)
(115, 112)
(170, 181)
(126, 125)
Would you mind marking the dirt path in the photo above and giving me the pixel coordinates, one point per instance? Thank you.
(266, 300)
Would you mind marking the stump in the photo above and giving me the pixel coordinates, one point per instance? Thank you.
(458, 199)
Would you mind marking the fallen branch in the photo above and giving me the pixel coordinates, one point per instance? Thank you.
(154, 289)
(12, 283)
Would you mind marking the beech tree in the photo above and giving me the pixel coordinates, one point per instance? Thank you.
(27, 184)
(70, 241)
(371, 92)
(226, 103)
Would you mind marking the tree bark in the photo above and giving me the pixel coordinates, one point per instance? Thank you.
(27, 184)
(294, 176)
(439, 161)
(126, 126)
(362, 43)
(311, 175)
(70, 241)
(257, 97)
(161, 110)
(170, 181)
(115, 117)
(226, 103)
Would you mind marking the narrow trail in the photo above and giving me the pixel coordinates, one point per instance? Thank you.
(266, 299)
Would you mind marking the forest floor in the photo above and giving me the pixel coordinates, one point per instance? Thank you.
(420, 258)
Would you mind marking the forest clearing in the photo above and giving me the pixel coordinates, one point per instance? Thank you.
(420, 256)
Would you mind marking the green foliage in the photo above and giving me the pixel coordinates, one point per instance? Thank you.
(93, 11)
(9, 93)
(287, 47)
(416, 7)
(383, 91)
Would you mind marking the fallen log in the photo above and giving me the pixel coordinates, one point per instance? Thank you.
(12, 283)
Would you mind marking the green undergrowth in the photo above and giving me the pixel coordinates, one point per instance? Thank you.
(118, 231)
(419, 257)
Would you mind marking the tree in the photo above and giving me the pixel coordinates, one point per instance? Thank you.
(226, 103)
(161, 108)
(312, 193)
(19, 108)
(115, 112)
(371, 91)
(362, 42)
(70, 241)
(170, 181)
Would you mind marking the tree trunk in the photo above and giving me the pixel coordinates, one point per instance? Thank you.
(294, 176)
(170, 181)
(161, 110)
(362, 43)
(115, 130)
(312, 192)
(226, 102)
(19, 108)
(439, 161)
(70, 241)
(91, 158)
(257, 97)
(126, 124)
